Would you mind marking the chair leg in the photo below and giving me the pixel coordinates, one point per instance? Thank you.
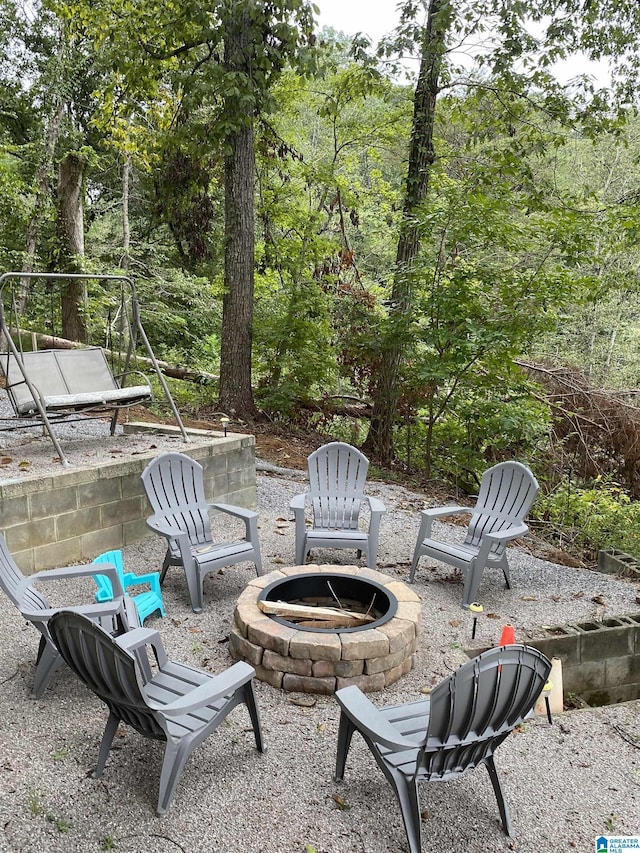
(472, 581)
(301, 548)
(250, 702)
(107, 739)
(345, 733)
(47, 663)
(497, 789)
(194, 586)
(407, 794)
(175, 757)
(414, 563)
(165, 565)
(505, 571)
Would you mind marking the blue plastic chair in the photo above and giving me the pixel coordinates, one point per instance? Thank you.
(146, 602)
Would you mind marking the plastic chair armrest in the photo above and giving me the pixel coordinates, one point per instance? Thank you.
(366, 718)
(237, 511)
(506, 535)
(376, 505)
(140, 638)
(217, 687)
(70, 572)
(435, 512)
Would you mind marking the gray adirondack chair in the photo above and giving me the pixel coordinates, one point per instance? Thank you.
(337, 476)
(174, 485)
(168, 701)
(117, 615)
(456, 728)
(507, 491)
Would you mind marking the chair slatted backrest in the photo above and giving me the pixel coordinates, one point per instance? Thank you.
(12, 582)
(107, 670)
(507, 491)
(174, 484)
(337, 476)
(475, 709)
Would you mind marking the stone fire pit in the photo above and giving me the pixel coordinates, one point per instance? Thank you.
(323, 661)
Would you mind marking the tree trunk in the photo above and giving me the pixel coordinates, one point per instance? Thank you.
(70, 229)
(42, 182)
(379, 443)
(126, 227)
(236, 395)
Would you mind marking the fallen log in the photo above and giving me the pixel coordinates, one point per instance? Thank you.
(174, 371)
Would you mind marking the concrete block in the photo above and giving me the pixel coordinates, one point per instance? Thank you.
(64, 553)
(242, 649)
(119, 512)
(135, 531)
(349, 668)
(271, 635)
(270, 676)
(68, 524)
(366, 683)
(31, 534)
(315, 646)
(43, 504)
(295, 666)
(302, 684)
(14, 511)
(605, 643)
(100, 491)
(96, 541)
(362, 645)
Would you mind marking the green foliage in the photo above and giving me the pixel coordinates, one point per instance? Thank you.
(592, 517)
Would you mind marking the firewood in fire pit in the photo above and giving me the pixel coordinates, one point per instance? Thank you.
(332, 617)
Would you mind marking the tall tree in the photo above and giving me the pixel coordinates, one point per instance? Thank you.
(219, 61)
(514, 56)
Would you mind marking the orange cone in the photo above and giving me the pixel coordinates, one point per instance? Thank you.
(508, 636)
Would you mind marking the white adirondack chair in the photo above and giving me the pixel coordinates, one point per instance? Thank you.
(507, 491)
(337, 475)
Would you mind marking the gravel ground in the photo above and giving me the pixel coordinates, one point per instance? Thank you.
(566, 784)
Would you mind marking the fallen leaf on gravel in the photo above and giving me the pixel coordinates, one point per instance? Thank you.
(578, 594)
(24, 465)
(454, 623)
(278, 561)
(556, 597)
(425, 690)
(193, 630)
(492, 616)
(528, 598)
(425, 815)
(5, 460)
(303, 701)
(280, 532)
(341, 802)
(598, 599)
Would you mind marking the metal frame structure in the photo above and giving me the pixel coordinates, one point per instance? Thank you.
(136, 328)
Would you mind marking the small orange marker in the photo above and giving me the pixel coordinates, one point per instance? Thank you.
(508, 636)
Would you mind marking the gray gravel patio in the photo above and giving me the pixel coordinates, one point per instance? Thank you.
(566, 784)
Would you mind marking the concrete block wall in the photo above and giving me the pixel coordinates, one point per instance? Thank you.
(600, 660)
(72, 516)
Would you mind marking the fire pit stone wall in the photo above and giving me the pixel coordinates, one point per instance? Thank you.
(320, 661)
